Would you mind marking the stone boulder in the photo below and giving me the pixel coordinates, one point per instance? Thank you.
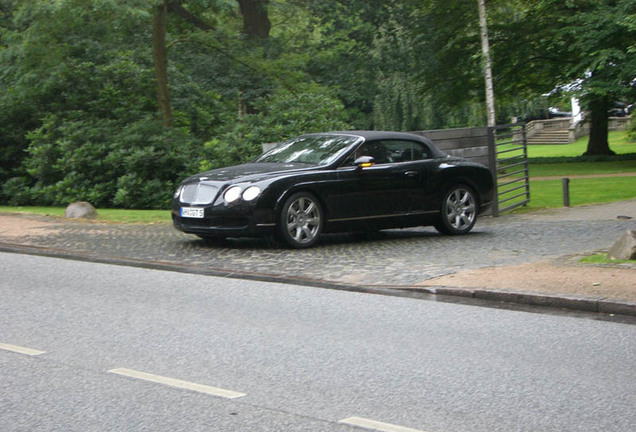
(80, 209)
(624, 248)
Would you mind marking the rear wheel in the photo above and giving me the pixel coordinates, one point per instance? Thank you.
(301, 220)
(458, 211)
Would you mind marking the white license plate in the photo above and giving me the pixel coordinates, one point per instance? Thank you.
(192, 212)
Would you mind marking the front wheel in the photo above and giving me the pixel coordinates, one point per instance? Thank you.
(301, 220)
(458, 212)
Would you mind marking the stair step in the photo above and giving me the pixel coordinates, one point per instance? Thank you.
(552, 136)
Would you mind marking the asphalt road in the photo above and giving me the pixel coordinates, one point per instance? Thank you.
(111, 341)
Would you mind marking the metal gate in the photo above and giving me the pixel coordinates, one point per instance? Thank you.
(509, 165)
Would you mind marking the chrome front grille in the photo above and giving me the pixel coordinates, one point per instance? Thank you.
(198, 193)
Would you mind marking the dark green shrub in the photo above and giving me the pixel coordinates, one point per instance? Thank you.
(106, 162)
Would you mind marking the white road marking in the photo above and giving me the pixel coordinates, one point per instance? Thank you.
(20, 350)
(376, 425)
(229, 394)
(214, 391)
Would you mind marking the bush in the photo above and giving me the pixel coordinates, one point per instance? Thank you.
(137, 193)
(17, 191)
(103, 161)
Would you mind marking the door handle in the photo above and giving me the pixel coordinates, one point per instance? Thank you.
(411, 174)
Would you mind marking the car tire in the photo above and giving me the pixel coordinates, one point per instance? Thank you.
(301, 220)
(458, 210)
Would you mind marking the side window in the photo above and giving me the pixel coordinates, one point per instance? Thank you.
(420, 151)
(378, 150)
(406, 151)
(391, 151)
(375, 149)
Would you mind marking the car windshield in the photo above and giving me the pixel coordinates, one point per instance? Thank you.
(311, 149)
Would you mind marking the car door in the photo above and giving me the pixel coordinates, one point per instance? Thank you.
(390, 188)
(411, 164)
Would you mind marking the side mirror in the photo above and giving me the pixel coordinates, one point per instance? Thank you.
(364, 162)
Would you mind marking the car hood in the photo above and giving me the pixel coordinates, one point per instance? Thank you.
(250, 172)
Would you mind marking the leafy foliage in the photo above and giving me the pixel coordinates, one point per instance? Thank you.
(88, 94)
(104, 162)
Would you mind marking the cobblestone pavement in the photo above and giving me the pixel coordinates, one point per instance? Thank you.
(396, 257)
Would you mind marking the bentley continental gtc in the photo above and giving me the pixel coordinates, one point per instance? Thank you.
(335, 182)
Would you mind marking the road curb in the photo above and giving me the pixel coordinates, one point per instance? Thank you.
(440, 293)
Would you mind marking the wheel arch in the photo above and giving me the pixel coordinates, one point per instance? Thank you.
(282, 198)
(299, 228)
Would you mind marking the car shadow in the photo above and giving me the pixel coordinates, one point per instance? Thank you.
(326, 240)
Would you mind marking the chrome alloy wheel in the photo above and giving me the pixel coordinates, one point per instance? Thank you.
(302, 222)
(461, 209)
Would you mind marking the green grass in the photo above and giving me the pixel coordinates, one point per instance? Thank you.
(549, 193)
(619, 142)
(581, 168)
(105, 215)
(602, 259)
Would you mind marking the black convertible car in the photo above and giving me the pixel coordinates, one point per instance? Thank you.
(335, 182)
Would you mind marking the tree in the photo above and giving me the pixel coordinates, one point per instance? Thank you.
(256, 28)
(160, 55)
(552, 42)
(603, 34)
(487, 64)
(400, 99)
(451, 70)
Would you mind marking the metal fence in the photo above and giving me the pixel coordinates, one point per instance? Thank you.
(509, 166)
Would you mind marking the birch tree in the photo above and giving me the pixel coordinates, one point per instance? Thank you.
(487, 63)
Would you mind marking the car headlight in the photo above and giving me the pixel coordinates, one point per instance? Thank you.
(251, 193)
(232, 194)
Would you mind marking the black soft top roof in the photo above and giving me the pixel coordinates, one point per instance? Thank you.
(369, 135)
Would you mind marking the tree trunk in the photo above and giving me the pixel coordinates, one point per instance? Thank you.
(487, 64)
(160, 55)
(255, 19)
(599, 119)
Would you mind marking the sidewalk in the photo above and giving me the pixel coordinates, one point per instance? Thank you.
(528, 259)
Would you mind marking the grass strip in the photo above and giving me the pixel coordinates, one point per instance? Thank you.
(602, 259)
(585, 191)
(582, 168)
(104, 215)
